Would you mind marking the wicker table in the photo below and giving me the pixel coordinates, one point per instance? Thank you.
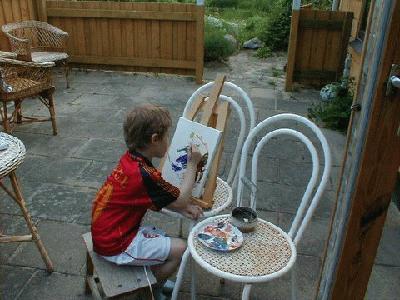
(265, 254)
(10, 159)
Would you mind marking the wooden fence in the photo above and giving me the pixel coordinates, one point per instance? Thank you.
(14, 11)
(144, 37)
(317, 46)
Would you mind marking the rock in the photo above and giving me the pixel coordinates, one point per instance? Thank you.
(231, 39)
(254, 43)
(214, 22)
(328, 92)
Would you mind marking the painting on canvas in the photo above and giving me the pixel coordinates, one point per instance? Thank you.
(206, 139)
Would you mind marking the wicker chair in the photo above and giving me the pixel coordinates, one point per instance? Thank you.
(38, 42)
(25, 80)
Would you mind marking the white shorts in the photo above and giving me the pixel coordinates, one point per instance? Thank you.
(149, 247)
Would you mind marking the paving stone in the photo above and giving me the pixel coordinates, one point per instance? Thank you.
(294, 173)
(383, 283)
(49, 145)
(290, 198)
(314, 237)
(44, 169)
(11, 225)
(12, 280)
(54, 286)
(95, 101)
(389, 246)
(62, 203)
(8, 205)
(102, 150)
(94, 174)
(64, 245)
(293, 107)
(307, 270)
(268, 196)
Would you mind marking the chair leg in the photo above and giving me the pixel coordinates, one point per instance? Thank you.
(179, 276)
(89, 272)
(66, 72)
(52, 111)
(193, 283)
(4, 116)
(246, 292)
(293, 282)
(17, 112)
(35, 235)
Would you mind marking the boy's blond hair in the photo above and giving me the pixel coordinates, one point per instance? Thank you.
(142, 122)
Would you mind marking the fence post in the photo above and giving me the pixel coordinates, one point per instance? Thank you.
(41, 8)
(199, 40)
(292, 44)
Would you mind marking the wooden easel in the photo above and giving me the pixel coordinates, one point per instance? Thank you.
(215, 115)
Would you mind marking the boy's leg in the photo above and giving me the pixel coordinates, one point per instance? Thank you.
(164, 271)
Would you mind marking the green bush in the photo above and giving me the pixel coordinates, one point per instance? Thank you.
(222, 3)
(277, 30)
(254, 27)
(216, 47)
(335, 114)
(263, 52)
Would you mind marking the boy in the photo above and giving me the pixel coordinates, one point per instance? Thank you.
(135, 186)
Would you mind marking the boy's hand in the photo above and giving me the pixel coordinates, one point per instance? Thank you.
(192, 211)
(194, 155)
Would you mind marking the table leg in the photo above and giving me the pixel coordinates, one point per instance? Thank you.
(293, 282)
(246, 292)
(193, 283)
(35, 235)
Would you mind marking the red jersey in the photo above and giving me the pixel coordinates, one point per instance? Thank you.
(120, 205)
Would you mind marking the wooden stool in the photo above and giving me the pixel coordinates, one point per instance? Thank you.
(10, 159)
(105, 279)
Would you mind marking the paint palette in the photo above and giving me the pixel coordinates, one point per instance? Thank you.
(221, 236)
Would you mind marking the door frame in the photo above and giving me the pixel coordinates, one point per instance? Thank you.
(375, 160)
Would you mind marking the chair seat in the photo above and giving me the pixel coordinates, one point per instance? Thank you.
(48, 56)
(266, 253)
(23, 88)
(11, 158)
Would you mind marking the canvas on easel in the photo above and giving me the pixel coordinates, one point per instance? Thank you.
(206, 139)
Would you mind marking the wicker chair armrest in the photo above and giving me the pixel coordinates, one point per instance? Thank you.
(20, 46)
(4, 54)
(8, 61)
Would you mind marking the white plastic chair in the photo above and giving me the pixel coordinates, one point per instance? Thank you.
(223, 192)
(267, 237)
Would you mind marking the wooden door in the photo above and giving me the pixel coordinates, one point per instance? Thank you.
(370, 170)
(317, 46)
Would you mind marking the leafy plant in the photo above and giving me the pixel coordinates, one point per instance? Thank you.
(335, 114)
(277, 29)
(216, 47)
(263, 52)
(223, 3)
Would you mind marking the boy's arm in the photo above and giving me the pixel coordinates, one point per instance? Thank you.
(186, 189)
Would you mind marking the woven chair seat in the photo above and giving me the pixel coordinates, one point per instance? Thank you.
(264, 252)
(23, 87)
(48, 56)
(11, 158)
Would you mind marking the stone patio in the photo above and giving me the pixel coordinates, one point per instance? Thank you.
(61, 175)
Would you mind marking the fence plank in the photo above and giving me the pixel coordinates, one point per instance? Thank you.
(292, 50)
(156, 37)
(199, 44)
(319, 50)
